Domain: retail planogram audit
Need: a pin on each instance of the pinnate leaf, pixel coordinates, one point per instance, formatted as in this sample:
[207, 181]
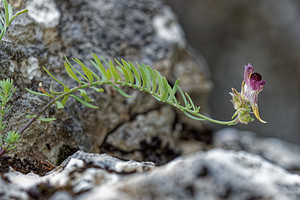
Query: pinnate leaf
[83, 102]
[121, 91]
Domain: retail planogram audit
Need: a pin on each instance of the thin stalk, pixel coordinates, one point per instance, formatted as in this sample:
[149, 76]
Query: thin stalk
[1, 131]
[98, 83]
[1, 120]
[2, 151]
[36, 117]
[182, 108]
[39, 113]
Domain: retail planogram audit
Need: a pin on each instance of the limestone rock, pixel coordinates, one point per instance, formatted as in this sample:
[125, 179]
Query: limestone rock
[147, 136]
[282, 153]
[216, 174]
[146, 31]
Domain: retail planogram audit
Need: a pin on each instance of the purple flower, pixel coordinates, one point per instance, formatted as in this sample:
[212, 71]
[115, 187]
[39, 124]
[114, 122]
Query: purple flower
[251, 87]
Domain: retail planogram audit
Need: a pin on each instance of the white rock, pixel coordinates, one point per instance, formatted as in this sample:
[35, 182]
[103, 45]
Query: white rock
[44, 12]
[275, 150]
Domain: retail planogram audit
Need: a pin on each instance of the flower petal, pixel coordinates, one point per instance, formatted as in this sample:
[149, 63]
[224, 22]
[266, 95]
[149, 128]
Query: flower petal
[256, 82]
[256, 113]
[247, 73]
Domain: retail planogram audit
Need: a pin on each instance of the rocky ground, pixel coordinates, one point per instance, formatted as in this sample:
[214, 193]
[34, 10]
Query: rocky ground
[142, 148]
[239, 165]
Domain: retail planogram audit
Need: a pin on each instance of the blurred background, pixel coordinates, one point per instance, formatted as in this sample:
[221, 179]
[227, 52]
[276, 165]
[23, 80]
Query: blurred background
[265, 33]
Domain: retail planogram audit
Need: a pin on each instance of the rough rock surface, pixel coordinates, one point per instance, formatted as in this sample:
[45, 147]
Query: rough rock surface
[145, 31]
[216, 174]
[282, 153]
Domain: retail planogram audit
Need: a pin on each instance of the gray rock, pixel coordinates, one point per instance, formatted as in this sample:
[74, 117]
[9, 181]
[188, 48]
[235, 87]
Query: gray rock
[61, 195]
[216, 174]
[146, 135]
[145, 31]
[282, 153]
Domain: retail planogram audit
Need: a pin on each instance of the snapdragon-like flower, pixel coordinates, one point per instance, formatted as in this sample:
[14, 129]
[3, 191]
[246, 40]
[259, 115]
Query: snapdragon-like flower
[246, 100]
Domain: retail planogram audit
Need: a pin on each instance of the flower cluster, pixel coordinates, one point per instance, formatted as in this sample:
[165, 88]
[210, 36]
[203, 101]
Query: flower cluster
[246, 101]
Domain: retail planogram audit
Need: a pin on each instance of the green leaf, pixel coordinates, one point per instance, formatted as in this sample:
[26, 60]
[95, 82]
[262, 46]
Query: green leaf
[59, 105]
[121, 65]
[84, 95]
[157, 98]
[193, 117]
[148, 76]
[65, 99]
[144, 77]
[103, 77]
[3, 28]
[1, 22]
[121, 92]
[46, 119]
[175, 87]
[54, 92]
[114, 72]
[8, 108]
[173, 92]
[83, 102]
[104, 60]
[98, 65]
[2, 15]
[10, 12]
[129, 72]
[191, 101]
[96, 76]
[154, 84]
[86, 70]
[136, 74]
[11, 147]
[183, 97]
[97, 89]
[30, 116]
[126, 75]
[172, 97]
[66, 89]
[123, 71]
[76, 70]
[54, 77]
[3, 127]
[71, 73]
[12, 137]
[37, 93]
[6, 12]
[164, 96]
[17, 14]
[165, 85]
[160, 83]
[109, 74]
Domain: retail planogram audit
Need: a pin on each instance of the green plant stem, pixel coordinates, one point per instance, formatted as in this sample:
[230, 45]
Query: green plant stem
[2, 151]
[36, 117]
[15, 15]
[99, 83]
[1, 123]
[210, 119]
